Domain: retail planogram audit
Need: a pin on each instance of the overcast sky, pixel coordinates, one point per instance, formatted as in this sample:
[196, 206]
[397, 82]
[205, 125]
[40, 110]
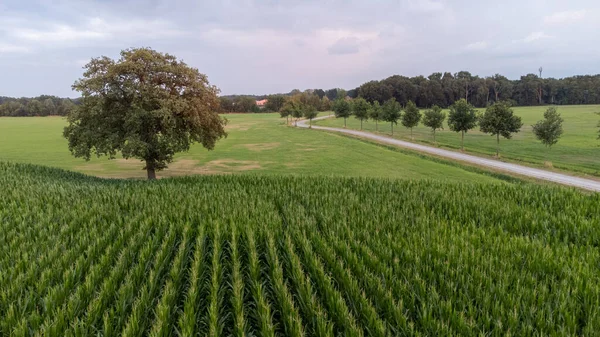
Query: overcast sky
[259, 47]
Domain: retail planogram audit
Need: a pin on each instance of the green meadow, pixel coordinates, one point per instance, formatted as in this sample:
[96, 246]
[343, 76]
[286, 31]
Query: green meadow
[578, 150]
[256, 143]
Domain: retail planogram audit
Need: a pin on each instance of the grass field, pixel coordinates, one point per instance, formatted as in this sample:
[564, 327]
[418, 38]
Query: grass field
[578, 150]
[257, 143]
[293, 256]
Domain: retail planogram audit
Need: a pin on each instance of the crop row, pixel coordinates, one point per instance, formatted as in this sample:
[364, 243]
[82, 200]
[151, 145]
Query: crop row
[285, 256]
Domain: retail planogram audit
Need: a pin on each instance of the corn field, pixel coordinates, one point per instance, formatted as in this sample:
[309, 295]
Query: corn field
[252, 255]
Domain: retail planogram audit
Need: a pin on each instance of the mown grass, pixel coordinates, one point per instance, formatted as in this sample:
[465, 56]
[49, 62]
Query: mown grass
[283, 255]
[257, 143]
[578, 150]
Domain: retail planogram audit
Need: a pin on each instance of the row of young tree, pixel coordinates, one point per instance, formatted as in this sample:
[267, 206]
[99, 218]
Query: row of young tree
[37, 106]
[445, 89]
[498, 119]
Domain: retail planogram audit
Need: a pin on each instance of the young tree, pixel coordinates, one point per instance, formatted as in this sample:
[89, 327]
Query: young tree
[434, 119]
[309, 113]
[294, 108]
[411, 117]
[325, 104]
[286, 112]
[391, 112]
[146, 105]
[375, 114]
[462, 118]
[342, 109]
[361, 110]
[498, 120]
[549, 130]
[598, 113]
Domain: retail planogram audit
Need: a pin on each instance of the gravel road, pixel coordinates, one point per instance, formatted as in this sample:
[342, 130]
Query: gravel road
[559, 178]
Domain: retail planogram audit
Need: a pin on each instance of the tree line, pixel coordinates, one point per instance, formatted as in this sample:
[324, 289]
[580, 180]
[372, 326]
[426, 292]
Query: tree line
[445, 89]
[37, 106]
[317, 98]
[498, 119]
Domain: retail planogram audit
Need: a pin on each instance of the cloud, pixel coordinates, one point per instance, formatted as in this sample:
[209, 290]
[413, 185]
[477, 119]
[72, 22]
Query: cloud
[481, 45]
[535, 36]
[289, 44]
[344, 46]
[6, 48]
[57, 33]
[564, 17]
[425, 5]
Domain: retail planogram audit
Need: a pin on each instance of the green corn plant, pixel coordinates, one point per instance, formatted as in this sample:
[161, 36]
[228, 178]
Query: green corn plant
[188, 320]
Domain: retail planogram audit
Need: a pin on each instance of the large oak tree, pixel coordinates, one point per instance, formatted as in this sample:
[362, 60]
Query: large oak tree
[146, 105]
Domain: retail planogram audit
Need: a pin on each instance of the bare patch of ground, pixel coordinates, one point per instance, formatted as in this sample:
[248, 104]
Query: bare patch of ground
[132, 168]
[261, 146]
[229, 165]
[239, 126]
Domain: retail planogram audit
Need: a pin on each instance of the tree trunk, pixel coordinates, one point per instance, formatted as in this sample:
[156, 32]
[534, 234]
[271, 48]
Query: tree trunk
[310, 123]
[411, 135]
[376, 126]
[434, 137]
[462, 142]
[392, 124]
[344, 122]
[361, 125]
[150, 170]
[498, 145]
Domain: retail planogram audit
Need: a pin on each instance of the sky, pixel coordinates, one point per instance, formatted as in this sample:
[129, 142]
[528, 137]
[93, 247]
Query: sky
[261, 47]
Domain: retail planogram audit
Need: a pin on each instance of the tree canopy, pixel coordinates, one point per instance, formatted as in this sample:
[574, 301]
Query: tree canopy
[342, 109]
[376, 113]
[37, 106]
[462, 118]
[549, 130]
[434, 119]
[391, 112]
[310, 112]
[411, 116]
[274, 103]
[145, 105]
[443, 89]
[499, 120]
[293, 107]
[361, 109]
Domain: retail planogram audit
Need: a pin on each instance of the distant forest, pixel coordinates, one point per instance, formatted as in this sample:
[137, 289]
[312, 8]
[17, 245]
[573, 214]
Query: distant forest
[36, 106]
[443, 89]
[440, 89]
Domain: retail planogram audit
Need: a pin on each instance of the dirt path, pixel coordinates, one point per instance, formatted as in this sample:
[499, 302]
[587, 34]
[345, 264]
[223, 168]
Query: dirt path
[559, 178]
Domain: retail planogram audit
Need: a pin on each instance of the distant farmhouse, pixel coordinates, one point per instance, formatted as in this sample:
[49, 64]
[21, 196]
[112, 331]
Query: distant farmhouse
[261, 103]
